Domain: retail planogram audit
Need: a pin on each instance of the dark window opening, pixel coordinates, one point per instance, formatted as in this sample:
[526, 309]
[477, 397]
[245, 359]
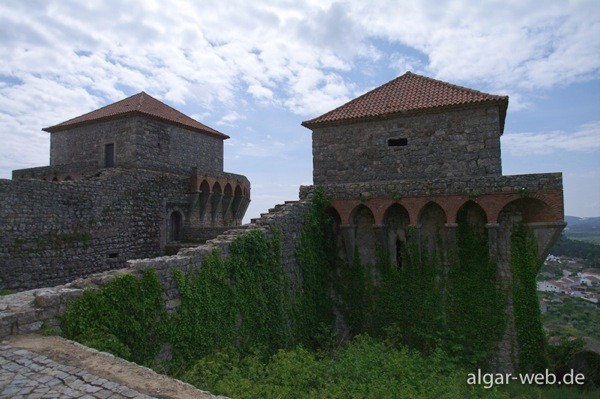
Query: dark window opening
[175, 227]
[109, 155]
[397, 142]
[113, 255]
[398, 253]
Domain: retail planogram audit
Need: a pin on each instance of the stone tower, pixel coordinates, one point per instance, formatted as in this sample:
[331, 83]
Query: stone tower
[410, 156]
[126, 181]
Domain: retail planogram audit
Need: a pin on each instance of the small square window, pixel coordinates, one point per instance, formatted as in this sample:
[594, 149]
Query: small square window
[401, 142]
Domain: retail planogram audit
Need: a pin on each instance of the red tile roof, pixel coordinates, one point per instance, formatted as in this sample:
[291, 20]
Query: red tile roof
[138, 104]
[408, 93]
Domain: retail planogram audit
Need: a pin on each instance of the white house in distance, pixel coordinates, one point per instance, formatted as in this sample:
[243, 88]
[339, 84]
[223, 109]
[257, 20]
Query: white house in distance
[550, 286]
[590, 280]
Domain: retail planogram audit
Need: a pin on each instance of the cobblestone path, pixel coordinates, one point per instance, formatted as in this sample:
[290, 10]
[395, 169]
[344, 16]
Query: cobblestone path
[24, 374]
[34, 366]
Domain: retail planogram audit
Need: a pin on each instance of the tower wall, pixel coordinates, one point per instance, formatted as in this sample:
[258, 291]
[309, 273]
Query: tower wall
[460, 142]
[139, 142]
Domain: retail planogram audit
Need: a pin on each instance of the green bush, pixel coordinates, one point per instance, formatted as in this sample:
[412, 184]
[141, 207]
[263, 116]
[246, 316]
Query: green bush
[365, 368]
[125, 317]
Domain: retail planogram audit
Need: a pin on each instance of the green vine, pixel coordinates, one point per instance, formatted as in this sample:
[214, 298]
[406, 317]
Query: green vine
[125, 318]
[476, 301]
[316, 254]
[241, 301]
[524, 267]
[425, 304]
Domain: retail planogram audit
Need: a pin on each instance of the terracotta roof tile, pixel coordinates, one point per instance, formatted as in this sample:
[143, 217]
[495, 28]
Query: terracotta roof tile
[141, 104]
[407, 93]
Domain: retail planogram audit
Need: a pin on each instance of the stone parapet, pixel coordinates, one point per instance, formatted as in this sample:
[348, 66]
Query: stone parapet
[471, 186]
[72, 171]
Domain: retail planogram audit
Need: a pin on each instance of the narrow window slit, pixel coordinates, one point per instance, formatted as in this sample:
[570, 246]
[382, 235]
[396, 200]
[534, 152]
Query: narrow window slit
[397, 142]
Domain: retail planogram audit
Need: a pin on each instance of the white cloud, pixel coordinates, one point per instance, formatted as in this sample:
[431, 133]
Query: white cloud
[260, 93]
[519, 44]
[230, 118]
[293, 54]
[586, 139]
[263, 149]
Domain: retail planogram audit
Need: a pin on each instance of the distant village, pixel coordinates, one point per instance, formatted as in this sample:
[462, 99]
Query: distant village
[568, 277]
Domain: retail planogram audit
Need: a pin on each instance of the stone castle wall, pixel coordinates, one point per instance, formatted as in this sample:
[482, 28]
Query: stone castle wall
[459, 142]
[54, 232]
[29, 311]
[139, 142]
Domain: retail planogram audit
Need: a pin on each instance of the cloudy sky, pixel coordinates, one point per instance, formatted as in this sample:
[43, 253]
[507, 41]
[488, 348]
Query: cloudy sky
[256, 69]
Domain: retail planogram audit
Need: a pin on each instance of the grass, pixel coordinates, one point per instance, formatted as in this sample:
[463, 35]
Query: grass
[6, 292]
[520, 391]
[595, 239]
[572, 317]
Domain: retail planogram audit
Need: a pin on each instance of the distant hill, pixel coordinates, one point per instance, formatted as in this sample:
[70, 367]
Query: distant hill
[583, 229]
[580, 239]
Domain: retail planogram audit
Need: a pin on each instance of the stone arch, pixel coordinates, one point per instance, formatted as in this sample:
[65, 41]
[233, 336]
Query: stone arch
[526, 210]
[203, 200]
[429, 209]
[236, 205]
[228, 190]
[472, 216]
[216, 204]
[535, 213]
[364, 231]
[204, 187]
[397, 220]
[432, 225]
[338, 238]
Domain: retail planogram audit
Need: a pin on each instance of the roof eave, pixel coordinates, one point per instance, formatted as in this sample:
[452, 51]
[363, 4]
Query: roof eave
[502, 102]
[62, 127]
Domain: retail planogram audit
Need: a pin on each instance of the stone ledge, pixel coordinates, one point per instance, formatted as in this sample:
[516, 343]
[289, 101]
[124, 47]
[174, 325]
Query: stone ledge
[469, 186]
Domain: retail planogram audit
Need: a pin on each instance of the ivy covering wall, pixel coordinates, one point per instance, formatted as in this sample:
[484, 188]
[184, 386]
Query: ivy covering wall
[476, 302]
[246, 303]
[432, 300]
[528, 325]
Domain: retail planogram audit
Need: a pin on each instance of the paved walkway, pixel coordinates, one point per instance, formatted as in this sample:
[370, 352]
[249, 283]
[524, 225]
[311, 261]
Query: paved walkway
[51, 367]
[24, 374]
